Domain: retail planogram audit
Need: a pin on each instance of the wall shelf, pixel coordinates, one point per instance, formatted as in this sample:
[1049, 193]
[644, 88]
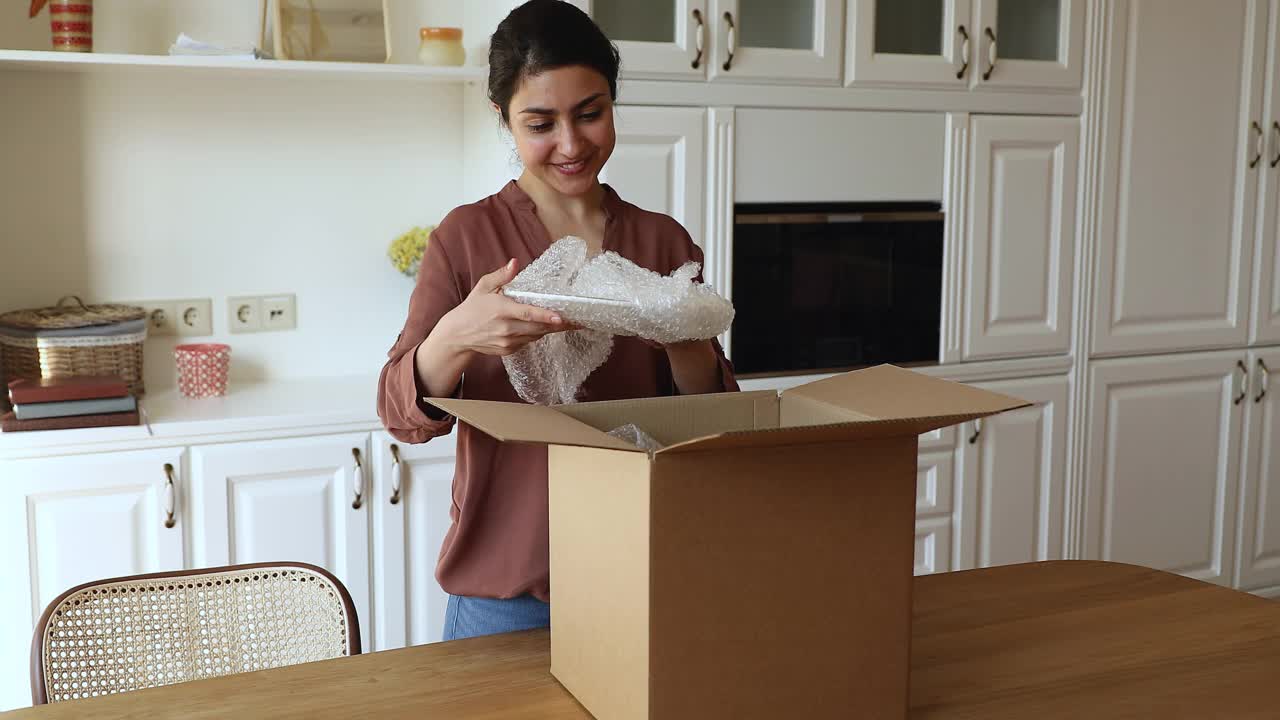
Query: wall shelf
[48, 60]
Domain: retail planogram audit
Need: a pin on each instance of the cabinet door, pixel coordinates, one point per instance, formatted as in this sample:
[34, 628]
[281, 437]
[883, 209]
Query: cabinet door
[293, 499]
[1177, 215]
[923, 43]
[69, 520]
[1258, 556]
[1163, 461]
[408, 529]
[1033, 44]
[662, 39]
[659, 162]
[936, 485]
[1265, 328]
[1015, 474]
[798, 41]
[1021, 236]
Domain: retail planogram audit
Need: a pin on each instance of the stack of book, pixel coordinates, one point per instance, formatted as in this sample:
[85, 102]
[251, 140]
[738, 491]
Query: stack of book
[69, 402]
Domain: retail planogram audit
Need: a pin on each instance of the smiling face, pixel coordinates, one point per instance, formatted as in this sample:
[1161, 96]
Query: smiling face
[562, 122]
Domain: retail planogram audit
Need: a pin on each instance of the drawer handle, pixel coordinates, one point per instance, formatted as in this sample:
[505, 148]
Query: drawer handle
[964, 53]
[701, 38]
[732, 37]
[991, 54]
[1244, 382]
[1257, 143]
[397, 470]
[977, 431]
[1275, 138]
[169, 496]
[359, 481]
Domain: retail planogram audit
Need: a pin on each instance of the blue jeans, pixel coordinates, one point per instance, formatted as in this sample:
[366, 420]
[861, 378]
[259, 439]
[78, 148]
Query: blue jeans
[466, 616]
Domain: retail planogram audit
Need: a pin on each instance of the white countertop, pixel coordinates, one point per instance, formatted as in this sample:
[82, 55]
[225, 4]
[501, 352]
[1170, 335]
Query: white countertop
[249, 407]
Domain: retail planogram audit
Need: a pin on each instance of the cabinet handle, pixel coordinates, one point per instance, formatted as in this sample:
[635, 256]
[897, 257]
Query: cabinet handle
[964, 52]
[1264, 381]
[732, 37]
[1244, 382]
[991, 53]
[396, 470]
[359, 481]
[1257, 143]
[169, 496]
[1275, 138]
[701, 39]
[977, 430]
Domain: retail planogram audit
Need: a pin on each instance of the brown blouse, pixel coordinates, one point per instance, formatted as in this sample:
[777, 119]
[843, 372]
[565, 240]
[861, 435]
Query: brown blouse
[497, 544]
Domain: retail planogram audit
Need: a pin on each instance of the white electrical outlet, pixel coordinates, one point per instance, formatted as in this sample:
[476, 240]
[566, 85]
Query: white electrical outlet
[194, 317]
[244, 314]
[279, 312]
[161, 316]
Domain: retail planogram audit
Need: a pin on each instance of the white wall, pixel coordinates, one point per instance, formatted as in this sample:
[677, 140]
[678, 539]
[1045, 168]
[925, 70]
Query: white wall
[155, 185]
[143, 183]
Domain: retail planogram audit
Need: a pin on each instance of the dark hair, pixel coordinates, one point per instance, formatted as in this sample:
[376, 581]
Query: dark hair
[544, 35]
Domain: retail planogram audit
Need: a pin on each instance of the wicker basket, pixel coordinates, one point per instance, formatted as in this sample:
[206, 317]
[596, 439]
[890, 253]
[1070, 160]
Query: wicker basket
[72, 338]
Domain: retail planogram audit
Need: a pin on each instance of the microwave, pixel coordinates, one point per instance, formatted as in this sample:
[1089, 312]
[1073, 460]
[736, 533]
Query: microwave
[827, 287]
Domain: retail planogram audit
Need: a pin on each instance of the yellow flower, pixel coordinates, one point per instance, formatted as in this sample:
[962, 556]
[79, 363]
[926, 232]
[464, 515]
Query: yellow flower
[407, 250]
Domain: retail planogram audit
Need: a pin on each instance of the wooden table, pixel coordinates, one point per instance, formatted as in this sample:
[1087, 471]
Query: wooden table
[1047, 640]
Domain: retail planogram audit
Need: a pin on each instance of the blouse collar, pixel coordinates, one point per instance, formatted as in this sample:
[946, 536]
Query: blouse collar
[515, 196]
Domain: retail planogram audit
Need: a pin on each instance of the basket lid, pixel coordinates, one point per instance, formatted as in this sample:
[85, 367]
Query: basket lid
[71, 312]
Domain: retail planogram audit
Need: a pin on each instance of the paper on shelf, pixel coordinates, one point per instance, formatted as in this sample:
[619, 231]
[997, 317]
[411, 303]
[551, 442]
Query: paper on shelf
[187, 45]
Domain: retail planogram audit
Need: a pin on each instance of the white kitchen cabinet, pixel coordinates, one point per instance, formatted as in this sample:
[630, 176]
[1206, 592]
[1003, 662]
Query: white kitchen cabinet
[69, 520]
[1182, 154]
[766, 41]
[657, 39]
[1258, 552]
[1021, 236]
[962, 44]
[1163, 461]
[302, 499]
[919, 43]
[936, 485]
[659, 162]
[1265, 326]
[1014, 472]
[411, 499]
[1028, 44]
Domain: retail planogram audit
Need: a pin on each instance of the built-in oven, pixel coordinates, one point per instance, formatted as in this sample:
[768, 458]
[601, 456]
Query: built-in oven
[824, 287]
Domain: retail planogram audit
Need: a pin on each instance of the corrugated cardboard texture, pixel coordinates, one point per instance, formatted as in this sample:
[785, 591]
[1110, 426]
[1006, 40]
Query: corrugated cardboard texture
[883, 401]
[671, 420]
[781, 582]
[519, 422]
[887, 393]
[599, 517]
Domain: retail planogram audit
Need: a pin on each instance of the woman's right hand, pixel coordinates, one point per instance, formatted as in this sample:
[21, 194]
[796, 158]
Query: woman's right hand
[490, 323]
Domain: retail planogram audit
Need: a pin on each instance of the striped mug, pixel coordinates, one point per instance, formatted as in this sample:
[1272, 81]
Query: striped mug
[72, 25]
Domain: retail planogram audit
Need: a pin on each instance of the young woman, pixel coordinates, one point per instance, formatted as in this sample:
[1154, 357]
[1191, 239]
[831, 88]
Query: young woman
[552, 81]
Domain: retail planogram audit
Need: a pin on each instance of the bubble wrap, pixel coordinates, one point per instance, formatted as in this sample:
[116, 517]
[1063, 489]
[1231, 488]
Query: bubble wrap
[606, 295]
[634, 435]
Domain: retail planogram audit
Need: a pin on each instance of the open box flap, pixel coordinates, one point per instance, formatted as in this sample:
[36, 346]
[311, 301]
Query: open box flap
[887, 392]
[817, 434]
[520, 422]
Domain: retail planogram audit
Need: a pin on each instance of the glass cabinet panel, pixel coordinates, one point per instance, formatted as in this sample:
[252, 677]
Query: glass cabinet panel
[909, 27]
[649, 21]
[1028, 29]
[772, 24]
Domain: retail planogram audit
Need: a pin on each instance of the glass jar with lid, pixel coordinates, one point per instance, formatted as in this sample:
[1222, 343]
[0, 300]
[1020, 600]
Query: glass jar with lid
[441, 46]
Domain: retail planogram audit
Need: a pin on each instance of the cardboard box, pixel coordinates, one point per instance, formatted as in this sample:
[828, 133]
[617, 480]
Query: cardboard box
[759, 565]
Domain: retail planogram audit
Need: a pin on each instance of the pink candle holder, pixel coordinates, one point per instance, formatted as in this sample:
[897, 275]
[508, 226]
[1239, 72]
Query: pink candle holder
[202, 369]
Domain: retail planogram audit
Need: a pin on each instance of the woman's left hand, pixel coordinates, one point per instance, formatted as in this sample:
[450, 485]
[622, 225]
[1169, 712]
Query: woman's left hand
[694, 365]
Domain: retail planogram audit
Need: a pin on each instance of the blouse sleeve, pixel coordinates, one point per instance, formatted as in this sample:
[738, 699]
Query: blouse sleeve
[400, 394]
